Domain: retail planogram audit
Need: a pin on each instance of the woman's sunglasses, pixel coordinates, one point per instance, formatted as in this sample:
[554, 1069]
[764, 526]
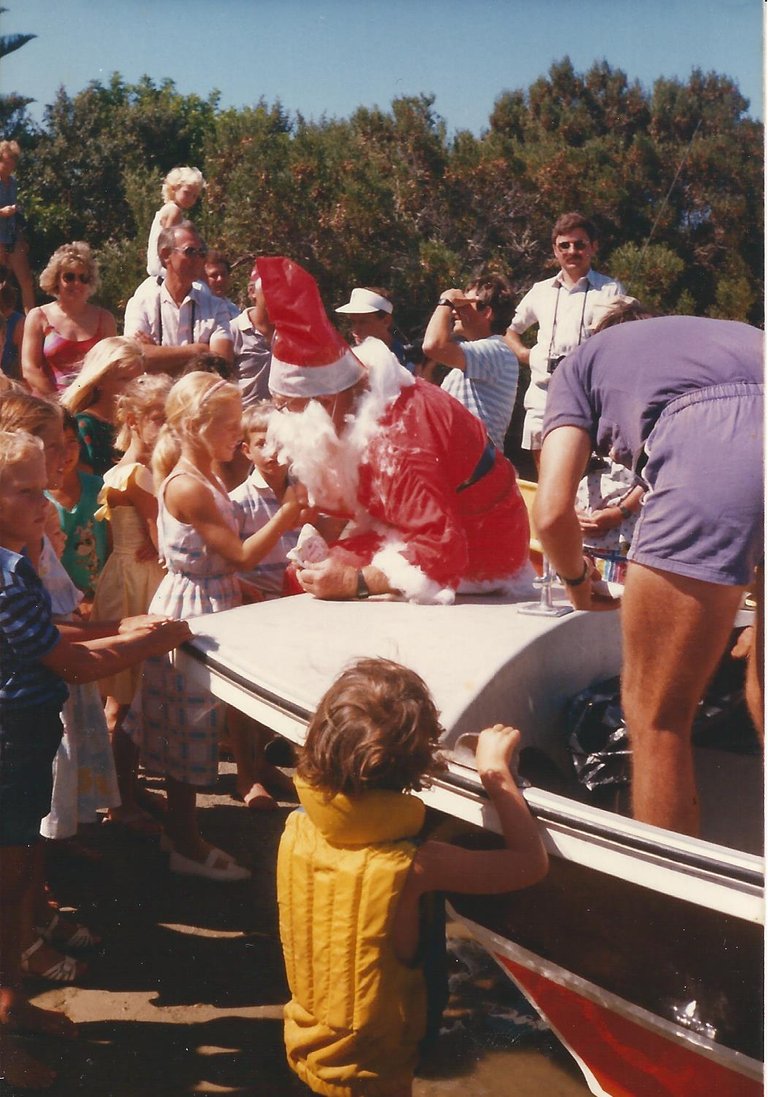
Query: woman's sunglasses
[69, 277]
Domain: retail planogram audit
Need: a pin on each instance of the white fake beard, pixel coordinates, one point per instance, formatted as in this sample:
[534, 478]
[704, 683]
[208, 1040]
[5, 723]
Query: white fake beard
[325, 464]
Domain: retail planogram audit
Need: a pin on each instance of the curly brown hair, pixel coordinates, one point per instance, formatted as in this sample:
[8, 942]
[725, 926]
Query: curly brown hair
[377, 727]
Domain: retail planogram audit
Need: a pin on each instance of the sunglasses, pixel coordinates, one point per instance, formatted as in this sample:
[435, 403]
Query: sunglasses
[69, 277]
[193, 253]
[577, 245]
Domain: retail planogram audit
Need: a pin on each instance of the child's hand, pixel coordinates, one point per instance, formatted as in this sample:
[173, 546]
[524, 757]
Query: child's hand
[496, 748]
[599, 521]
[141, 621]
[166, 635]
[295, 506]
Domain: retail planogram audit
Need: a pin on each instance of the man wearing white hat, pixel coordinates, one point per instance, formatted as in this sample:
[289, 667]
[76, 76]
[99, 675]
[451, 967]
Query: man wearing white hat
[436, 508]
[370, 312]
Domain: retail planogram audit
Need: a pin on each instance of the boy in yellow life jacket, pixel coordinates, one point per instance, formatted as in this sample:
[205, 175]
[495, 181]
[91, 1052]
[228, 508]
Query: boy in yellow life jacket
[350, 877]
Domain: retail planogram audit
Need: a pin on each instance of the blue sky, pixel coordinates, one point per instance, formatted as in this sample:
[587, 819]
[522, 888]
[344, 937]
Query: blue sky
[330, 56]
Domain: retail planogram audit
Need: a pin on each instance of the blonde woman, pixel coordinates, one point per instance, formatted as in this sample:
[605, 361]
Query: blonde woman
[57, 336]
[92, 398]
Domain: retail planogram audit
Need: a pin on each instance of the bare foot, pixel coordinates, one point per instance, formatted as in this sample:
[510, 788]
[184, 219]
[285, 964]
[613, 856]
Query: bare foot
[18, 1015]
[20, 1070]
[257, 798]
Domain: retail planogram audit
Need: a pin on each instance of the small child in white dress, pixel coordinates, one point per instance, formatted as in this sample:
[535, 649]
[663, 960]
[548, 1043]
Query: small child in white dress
[181, 189]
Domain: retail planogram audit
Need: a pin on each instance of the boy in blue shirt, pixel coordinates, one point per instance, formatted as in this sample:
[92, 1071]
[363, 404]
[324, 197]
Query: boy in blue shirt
[35, 661]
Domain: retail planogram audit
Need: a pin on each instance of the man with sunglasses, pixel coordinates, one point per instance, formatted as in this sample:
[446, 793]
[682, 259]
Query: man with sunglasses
[178, 318]
[565, 307]
[465, 332]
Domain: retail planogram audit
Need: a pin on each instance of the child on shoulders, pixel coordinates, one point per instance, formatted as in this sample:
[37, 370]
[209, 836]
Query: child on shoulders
[181, 189]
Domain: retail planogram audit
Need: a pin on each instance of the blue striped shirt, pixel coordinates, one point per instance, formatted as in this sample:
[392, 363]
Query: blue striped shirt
[27, 633]
[487, 385]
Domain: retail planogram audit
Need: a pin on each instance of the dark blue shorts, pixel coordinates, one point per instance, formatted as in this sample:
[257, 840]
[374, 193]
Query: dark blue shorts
[703, 514]
[29, 739]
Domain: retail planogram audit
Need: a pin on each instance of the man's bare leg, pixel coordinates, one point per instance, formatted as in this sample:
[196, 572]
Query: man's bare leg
[675, 632]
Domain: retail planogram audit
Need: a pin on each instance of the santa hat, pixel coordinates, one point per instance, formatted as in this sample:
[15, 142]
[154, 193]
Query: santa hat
[309, 357]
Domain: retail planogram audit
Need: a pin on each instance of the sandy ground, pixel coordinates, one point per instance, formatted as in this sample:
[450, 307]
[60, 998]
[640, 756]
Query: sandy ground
[185, 996]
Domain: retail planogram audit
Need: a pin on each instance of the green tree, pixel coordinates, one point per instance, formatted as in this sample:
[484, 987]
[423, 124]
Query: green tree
[13, 107]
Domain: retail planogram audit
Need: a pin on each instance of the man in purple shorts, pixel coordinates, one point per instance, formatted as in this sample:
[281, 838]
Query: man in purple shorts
[679, 399]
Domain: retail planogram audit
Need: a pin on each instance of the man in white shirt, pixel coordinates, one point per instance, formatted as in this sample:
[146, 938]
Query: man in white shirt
[176, 320]
[566, 307]
[465, 333]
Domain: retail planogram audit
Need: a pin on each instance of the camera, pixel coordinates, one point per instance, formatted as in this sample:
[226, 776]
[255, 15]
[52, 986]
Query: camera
[553, 363]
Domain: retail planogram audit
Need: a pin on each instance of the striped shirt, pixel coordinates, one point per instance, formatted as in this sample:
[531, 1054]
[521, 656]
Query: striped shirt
[255, 503]
[27, 633]
[487, 385]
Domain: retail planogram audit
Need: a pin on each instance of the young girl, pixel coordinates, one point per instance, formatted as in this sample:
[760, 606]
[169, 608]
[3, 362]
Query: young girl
[76, 500]
[133, 572]
[92, 397]
[351, 873]
[181, 189]
[177, 727]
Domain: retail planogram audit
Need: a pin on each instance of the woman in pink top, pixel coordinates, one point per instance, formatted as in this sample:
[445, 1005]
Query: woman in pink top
[58, 336]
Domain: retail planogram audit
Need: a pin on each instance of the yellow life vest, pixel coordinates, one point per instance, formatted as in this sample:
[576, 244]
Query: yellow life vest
[357, 1014]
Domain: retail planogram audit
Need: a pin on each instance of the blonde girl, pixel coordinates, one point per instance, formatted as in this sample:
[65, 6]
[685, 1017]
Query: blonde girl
[176, 725]
[133, 572]
[181, 189]
[92, 397]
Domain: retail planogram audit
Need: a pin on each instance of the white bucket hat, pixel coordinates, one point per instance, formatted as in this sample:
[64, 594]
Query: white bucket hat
[365, 300]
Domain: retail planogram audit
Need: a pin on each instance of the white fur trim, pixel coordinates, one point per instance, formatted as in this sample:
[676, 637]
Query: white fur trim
[518, 587]
[288, 379]
[410, 580]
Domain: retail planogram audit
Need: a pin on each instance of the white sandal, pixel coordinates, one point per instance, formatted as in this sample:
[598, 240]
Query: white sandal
[65, 970]
[82, 938]
[229, 873]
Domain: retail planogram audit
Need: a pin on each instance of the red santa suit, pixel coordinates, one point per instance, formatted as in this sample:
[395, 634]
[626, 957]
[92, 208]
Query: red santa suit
[446, 508]
[435, 507]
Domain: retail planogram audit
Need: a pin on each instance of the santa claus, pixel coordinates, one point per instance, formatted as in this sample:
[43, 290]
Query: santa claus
[429, 506]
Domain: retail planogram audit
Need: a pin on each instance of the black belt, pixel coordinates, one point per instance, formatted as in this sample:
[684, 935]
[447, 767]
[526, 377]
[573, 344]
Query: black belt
[483, 466]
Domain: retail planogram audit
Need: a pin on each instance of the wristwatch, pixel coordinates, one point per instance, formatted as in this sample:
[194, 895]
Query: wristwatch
[363, 590]
[574, 582]
[442, 301]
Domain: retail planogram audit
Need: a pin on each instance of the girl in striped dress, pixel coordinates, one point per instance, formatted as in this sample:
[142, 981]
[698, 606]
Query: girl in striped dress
[175, 724]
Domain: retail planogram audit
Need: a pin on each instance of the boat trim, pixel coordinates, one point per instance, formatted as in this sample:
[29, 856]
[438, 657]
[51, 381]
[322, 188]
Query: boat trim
[700, 1045]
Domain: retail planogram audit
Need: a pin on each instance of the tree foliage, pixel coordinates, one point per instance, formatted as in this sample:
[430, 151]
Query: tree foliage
[13, 107]
[671, 175]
